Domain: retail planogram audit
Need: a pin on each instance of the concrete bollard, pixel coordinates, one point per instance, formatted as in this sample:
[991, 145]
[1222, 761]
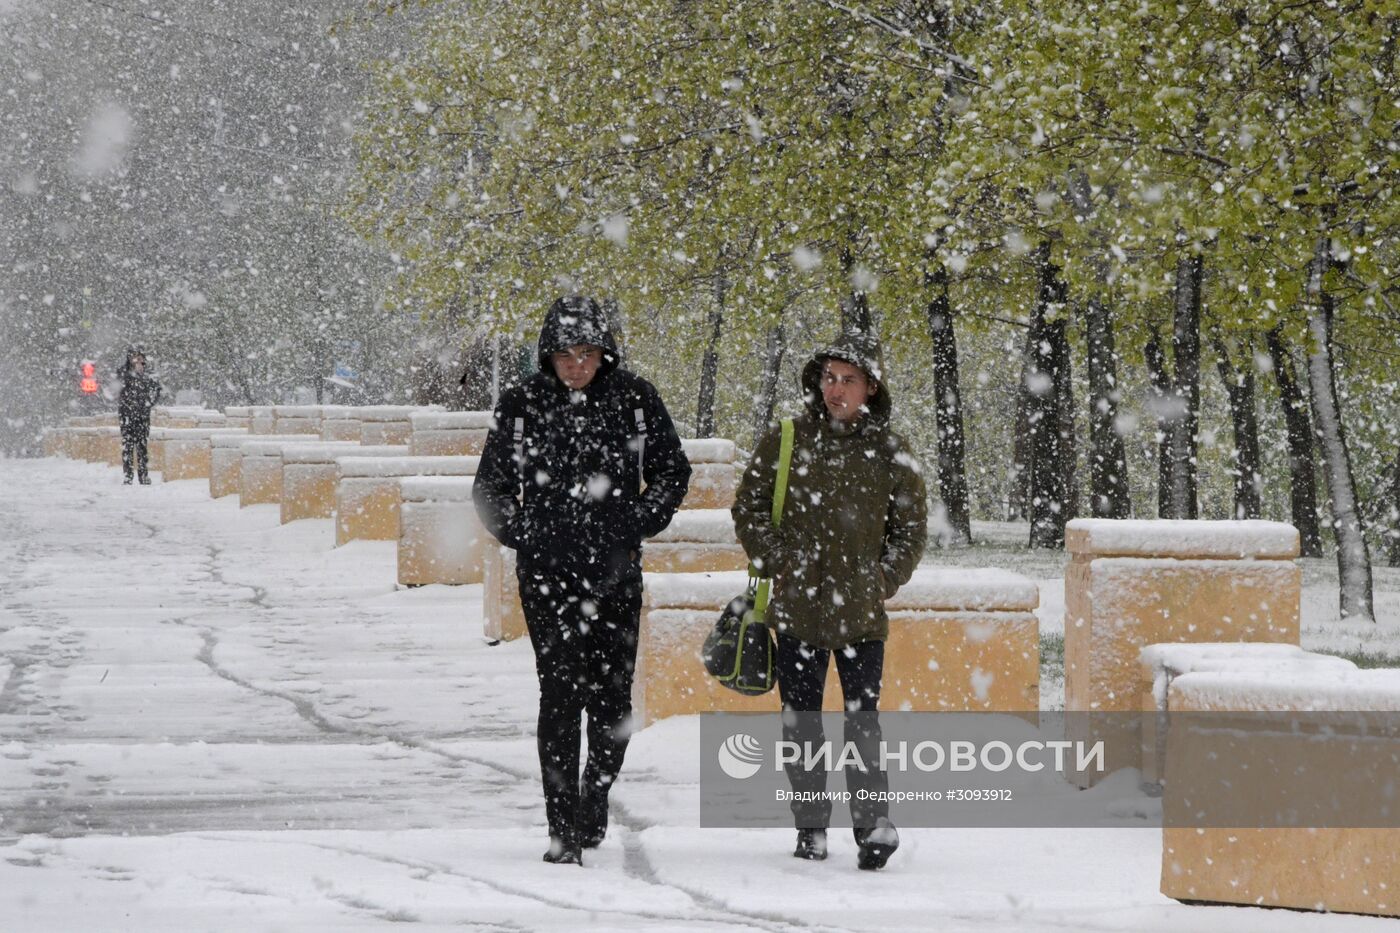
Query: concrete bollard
[1160, 665]
[262, 419]
[696, 541]
[714, 476]
[503, 618]
[109, 446]
[448, 433]
[175, 416]
[186, 451]
[959, 640]
[440, 539]
[367, 492]
[226, 462]
[238, 416]
[1350, 866]
[388, 424]
[310, 473]
[296, 419]
[1134, 583]
[339, 423]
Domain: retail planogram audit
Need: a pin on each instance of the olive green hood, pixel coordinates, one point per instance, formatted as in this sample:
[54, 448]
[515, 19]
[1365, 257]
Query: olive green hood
[859, 349]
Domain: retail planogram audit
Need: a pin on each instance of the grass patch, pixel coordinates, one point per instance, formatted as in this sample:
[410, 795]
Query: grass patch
[1368, 660]
[1052, 655]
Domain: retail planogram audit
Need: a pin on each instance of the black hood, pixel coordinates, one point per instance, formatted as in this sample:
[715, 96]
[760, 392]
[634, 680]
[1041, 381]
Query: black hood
[572, 321]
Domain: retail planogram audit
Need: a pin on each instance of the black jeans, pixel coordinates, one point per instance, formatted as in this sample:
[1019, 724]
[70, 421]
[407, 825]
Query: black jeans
[801, 670]
[585, 654]
[134, 435]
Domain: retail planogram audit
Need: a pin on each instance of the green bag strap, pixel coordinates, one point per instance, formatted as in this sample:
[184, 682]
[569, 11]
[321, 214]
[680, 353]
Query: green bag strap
[780, 484]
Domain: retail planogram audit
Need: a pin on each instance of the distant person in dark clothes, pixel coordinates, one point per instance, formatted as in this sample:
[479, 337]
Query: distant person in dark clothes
[582, 462]
[140, 393]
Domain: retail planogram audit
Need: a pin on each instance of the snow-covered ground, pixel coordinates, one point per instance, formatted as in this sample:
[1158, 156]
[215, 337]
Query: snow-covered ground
[209, 721]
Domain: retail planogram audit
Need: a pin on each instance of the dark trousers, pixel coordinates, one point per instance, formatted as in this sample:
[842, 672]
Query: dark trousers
[585, 653]
[801, 671]
[134, 435]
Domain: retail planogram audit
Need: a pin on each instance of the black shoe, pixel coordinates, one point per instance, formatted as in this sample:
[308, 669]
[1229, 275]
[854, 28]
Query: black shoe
[145, 481]
[811, 845]
[127, 481]
[592, 823]
[876, 845]
[563, 852]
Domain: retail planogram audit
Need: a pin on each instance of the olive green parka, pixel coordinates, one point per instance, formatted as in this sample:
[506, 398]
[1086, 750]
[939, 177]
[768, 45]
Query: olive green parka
[854, 522]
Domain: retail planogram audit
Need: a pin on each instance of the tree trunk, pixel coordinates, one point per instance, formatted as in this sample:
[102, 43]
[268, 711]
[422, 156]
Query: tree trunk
[1108, 460]
[1068, 454]
[1046, 381]
[709, 367]
[1239, 388]
[1161, 402]
[1393, 552]
[952, 471]
[855, 314]
[1353, 557]
[767, 398]
[1301, 470]
[1186, 385]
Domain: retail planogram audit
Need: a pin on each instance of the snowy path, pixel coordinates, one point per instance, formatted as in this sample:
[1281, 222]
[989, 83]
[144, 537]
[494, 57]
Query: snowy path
[211, 721]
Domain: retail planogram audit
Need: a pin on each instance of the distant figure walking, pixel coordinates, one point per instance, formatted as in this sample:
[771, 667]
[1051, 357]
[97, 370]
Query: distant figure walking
[140, 393]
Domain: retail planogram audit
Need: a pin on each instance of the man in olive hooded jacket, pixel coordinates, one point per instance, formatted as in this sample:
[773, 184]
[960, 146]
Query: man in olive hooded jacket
[853, 529]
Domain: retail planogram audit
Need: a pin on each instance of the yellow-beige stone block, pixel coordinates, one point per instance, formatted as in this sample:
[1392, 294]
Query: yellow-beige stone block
[310, 474]
[714, 475]
[440, 538]
[388, 424]
[503, 618]
[1134, 583]
[367, 492]
[187, 453]
[262, 419]
[238, 416]
[339, 423]
[696, 541]
[110, 446]
[260, 467]
[1350, 869]
[296, 419]
[449, 433]
[959, 640]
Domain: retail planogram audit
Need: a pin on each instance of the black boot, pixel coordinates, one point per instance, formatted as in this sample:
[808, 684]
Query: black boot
[592, 823]
[145, 480]
[811, 845]
[127, 480]
[876, 845]
[563, 851]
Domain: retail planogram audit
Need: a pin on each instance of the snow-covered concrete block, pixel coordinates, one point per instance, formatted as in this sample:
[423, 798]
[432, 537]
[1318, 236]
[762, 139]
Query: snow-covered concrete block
[504, 619]
[1162, 664]
[714, 476]
[260, 473]
[448, 433]
[238, 416]
[696, 541]
[226, 460]
[959, 640]
[262, 419]
[187, 451]
[388, 424]
[440, 538]
[1134, 583]
[175, 416]
[297, 419]
[367, 492]
[338, 423]
[1352, 869]
[310, 472]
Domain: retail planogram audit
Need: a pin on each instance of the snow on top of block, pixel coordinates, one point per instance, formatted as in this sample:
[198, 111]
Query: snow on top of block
[450, 420]
[297, 411]
[436, 488]
[1320, 690]
[1182, 538]
[933, 589]
[707, 526]
[238, 437]
[708, 449]
[238, 411]
[378, 413]
[328, 452]
[406, 466]
[194, 434]
[969, 588]
[695, 590]
[1187, 658]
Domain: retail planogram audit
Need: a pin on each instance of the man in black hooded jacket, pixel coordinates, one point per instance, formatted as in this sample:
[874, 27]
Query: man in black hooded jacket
[140, 393]
[582, 462]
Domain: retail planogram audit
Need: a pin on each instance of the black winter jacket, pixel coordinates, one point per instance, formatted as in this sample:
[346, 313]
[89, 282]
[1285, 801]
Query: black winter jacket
[575, 506]
[140, 393]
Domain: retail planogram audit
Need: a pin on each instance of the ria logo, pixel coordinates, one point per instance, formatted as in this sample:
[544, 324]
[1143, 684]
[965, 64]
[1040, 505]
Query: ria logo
[740, 756]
